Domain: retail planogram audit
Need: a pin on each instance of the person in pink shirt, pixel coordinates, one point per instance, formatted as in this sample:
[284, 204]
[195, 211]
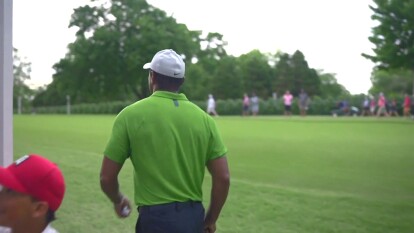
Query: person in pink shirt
[381, 105]
[246, 104]
[287, 100]
[407, 105]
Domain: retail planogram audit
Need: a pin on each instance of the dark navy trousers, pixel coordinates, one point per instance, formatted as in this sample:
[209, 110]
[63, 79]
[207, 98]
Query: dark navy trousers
[176, 217]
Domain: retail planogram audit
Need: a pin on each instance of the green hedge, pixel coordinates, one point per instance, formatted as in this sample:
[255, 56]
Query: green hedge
[99, 108]
[318, 106]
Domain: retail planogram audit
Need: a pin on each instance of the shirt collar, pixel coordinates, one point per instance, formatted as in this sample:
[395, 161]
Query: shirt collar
[170, 95]
[49, 229]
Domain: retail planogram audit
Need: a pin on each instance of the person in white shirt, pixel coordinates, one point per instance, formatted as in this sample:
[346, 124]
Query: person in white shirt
[211, 105]
[255, 104]
[31, 191]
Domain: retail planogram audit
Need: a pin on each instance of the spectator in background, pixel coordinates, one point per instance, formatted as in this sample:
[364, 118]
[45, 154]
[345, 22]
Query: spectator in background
[211, 105]
[372, 106]
[407, 105]
[287, 100]
[246, 104]
[354, 111]
[274, 97]
[412, 107]
[255, 104]
[393, 107]
[303, 102]
[381, 105]
[31, 191]
[345, 108]
[339, 109]
[365, 107]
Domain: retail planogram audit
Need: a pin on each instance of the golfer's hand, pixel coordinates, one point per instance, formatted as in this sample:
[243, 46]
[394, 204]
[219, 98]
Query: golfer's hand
[123, 208]
[210, 228]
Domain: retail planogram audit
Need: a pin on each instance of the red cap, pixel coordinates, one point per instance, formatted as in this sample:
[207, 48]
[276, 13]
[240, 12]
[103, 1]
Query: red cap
[37, 177]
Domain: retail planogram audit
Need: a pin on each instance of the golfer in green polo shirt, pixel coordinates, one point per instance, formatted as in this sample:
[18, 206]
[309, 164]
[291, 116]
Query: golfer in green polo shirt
[170, 141]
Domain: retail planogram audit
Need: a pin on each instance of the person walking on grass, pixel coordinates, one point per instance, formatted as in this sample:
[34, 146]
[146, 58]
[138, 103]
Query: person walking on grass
[287, 100]
[303, 102]
[31, 191]
[169, 141]
[254, 104]
[382, 105]
[393, 108]
[372, 106]
[412, 107]
[211, 105]
[246, 104]
[406, 105]
[365, 107]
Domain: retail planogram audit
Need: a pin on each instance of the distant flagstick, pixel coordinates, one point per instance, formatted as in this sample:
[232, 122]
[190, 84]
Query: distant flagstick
[6, 83]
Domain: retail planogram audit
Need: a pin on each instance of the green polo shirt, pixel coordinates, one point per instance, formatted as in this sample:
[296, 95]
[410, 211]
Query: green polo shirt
[169, 141]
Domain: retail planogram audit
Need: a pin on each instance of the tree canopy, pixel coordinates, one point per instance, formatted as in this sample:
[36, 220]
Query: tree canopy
[395, 82]
[393, 37]
[115, 39]
[105, 62]
[294, 74]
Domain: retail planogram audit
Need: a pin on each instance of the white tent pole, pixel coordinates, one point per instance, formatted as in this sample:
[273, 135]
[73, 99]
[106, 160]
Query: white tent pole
[6, 82]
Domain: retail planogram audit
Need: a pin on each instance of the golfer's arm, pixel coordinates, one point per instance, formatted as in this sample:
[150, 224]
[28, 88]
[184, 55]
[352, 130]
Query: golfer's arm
[109, 179]
[220, 175]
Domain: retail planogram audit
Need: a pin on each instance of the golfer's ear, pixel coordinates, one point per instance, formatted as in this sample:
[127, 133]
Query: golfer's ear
[152, 77]
[39, 209]
[152, 74]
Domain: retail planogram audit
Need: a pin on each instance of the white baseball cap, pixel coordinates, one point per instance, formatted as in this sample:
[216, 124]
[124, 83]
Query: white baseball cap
[167, 62]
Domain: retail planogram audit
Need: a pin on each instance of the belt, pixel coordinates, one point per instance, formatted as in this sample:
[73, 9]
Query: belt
[168, 206]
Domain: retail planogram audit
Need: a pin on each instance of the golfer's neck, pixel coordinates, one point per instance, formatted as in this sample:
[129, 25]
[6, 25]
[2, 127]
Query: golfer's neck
[165, 89]
[29, 228]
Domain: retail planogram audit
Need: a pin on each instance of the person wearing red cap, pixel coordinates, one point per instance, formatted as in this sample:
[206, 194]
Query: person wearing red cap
[31, 191]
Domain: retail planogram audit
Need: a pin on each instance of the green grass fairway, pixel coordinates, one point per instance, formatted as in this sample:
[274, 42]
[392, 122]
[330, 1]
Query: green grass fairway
[288, 175]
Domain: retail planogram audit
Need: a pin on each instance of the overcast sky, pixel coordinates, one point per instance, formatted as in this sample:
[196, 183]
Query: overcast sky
[332, 34]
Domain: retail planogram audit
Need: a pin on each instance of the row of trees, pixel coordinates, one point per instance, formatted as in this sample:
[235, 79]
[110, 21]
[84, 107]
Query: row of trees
[114, 41]
[105, 62]
[22, 93]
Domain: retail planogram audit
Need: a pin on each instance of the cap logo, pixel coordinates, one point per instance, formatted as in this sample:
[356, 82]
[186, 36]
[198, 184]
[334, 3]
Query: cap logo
[21, 160]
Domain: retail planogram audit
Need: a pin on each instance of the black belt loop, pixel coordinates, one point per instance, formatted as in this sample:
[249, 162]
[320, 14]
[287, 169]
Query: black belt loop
[178, 206]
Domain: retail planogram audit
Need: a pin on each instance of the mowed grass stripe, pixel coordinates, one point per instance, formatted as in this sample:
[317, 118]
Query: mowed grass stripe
[340, 156]
[313, 174]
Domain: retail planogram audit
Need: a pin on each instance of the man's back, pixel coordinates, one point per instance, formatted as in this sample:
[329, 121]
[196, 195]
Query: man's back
[170, 141]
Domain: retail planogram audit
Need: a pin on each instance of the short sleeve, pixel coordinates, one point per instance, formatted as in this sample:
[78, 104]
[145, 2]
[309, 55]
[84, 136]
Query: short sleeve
[216, 145]
[118, 147]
